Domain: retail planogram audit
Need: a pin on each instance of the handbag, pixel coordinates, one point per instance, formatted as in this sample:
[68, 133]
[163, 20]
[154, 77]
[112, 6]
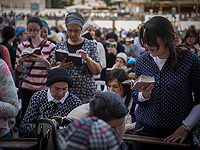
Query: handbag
[62, 121]
[128, 117]
[47, 131]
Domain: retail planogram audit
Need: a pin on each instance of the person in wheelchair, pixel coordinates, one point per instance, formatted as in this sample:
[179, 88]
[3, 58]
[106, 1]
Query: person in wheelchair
[56, 100]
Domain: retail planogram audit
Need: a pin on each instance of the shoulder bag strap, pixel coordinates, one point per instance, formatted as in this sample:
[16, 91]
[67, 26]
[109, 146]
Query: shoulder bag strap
[34, 61]
[130, 104]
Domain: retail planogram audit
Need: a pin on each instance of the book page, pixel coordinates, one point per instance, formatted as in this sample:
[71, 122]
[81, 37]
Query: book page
[142, 80]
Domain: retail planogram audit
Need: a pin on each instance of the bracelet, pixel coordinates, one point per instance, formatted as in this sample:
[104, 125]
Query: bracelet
[184, 127]
[88, 60]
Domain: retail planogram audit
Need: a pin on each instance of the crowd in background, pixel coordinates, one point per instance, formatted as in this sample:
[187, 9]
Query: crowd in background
[107, 55]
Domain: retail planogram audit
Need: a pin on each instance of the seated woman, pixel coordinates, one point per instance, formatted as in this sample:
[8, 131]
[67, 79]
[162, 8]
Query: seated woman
[8, 100]
[53, 101]
[114, 81]
[107, 106]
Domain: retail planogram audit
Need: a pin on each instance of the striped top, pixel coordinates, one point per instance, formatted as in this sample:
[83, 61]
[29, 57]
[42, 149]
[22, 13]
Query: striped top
[36, 80]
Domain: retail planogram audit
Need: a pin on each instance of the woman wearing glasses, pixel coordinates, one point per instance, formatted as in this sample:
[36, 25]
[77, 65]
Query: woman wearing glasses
[34, 66]
[82, 76]
[191, 39]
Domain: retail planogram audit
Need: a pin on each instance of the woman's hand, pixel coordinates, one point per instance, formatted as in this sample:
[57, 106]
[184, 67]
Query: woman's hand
[197, 46]
[146, 91]
[65, 64]
[22, 58]
[179, 135]
[112, 50]
[129, 127]
[37, 58]
[83, 54]
[40, 58]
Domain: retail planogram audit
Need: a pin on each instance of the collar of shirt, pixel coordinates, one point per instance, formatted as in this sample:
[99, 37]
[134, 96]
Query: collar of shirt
[50, 97]
[160, 62]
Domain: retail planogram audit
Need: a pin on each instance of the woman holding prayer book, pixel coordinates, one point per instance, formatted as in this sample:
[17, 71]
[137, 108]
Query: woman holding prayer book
[170, 107]
[82, 76]
[32, 67]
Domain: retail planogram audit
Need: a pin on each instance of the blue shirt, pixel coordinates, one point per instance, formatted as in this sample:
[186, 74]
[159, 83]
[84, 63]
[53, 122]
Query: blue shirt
[172, 97]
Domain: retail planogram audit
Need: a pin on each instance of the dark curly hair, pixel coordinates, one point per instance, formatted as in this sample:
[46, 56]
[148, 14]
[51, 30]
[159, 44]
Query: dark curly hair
[8, 33]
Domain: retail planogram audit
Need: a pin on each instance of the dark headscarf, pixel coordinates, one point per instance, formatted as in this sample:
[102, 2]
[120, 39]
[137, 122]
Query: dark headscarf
[112, 35]
[74, 18]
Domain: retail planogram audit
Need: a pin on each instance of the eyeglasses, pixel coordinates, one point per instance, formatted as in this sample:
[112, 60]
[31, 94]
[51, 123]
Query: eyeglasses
[75, 31]
[33, 31]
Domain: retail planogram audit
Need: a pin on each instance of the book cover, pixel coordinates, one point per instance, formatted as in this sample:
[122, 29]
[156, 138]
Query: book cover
[34, 51]
[76, 59]
[73, 57]
[142, 80]
[61, 54]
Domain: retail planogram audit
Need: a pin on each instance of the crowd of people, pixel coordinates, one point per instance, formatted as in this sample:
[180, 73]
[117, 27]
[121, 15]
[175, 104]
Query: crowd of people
[30, 72]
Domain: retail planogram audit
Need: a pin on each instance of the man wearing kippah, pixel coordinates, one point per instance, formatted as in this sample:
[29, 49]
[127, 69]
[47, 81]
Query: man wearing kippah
[53, 101]
[82, 76]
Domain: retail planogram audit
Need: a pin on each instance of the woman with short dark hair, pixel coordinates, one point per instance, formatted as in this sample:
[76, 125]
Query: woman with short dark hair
[191, 39]
[34, 67]
[8, 35]
[114, 80]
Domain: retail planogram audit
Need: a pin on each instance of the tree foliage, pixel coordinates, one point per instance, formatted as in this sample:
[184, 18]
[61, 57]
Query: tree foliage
[108, 2]
[61, 3]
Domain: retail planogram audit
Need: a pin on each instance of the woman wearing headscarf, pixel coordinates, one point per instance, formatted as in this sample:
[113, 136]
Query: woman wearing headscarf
[84, 83]
[46, 31]
[21, 36]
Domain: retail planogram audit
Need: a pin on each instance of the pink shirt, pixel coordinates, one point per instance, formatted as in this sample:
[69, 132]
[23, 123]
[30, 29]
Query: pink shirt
[36, 80]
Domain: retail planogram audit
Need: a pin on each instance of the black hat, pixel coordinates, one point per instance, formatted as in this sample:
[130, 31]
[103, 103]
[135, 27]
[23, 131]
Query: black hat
[112, 35]
[74, 18]
[59, 75]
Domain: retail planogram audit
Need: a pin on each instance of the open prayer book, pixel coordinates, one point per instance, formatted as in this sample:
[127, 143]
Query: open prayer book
[34, 51]
[73, 57]
[142, 80]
